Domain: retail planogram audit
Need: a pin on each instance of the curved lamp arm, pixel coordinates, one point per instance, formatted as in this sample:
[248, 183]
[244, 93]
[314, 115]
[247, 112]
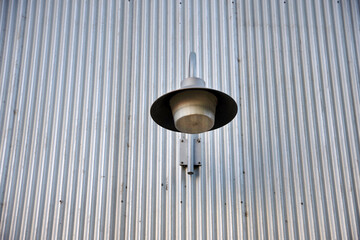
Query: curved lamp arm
[192, 65]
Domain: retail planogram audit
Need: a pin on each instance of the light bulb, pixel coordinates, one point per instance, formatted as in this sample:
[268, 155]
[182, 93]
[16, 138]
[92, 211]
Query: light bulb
[193, 111]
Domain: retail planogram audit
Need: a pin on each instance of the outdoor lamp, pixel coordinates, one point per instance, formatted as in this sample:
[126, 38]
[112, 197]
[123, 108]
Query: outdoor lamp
[193, 108]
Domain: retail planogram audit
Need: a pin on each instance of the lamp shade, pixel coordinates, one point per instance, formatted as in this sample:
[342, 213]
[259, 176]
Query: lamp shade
[174, 110]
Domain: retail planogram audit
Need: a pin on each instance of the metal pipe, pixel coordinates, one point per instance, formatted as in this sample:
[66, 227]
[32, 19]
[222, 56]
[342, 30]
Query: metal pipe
[192, 65]
[191, 160]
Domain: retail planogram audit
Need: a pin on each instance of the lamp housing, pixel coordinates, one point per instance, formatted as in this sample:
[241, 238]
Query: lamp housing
[193, 108]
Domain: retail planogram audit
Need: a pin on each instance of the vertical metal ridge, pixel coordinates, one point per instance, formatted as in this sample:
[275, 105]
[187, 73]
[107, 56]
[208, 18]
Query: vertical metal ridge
[277, 199]
[298, 124]
[35, 142]
[14, 131]
[326, 222]
[124, 143]
[4, 9]
[308, 109]
[72, 220]
[142, 136]
[133, 117]
[9, 87]
[332, 120]
[7, 38]
[270, 210]
[151, 145]
[304, 126]
[111, 174]
[117, 200]
[347, 119]
[352, 51]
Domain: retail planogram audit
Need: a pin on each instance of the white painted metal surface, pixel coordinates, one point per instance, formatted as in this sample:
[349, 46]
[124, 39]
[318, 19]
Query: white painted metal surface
[80, 156]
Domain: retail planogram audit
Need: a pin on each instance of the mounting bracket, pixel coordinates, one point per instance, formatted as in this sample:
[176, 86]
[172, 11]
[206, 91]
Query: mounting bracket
[190, 152]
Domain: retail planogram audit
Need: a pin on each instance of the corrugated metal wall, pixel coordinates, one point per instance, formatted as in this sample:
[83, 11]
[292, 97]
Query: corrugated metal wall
[80, 156]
